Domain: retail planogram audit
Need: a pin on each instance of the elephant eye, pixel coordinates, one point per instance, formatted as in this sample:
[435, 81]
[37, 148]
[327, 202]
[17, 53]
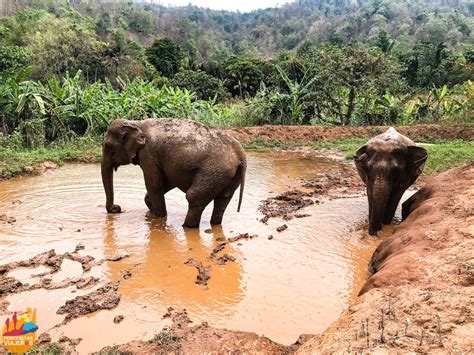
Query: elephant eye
[122, 135]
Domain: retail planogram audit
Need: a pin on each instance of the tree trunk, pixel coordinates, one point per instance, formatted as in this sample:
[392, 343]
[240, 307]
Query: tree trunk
[350, 107]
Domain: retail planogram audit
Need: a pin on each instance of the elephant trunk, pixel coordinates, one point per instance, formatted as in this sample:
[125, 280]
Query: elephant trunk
[380, 194]
[107, 168]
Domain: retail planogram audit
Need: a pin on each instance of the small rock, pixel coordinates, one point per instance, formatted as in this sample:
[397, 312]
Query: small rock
[270, 237]
[282, 228]
[168, 313]
[126, 274]
[17, 202]
[118, 319]
[79, 246]
[11, 220]
[43, 339]
[73, 342]
[224, 259]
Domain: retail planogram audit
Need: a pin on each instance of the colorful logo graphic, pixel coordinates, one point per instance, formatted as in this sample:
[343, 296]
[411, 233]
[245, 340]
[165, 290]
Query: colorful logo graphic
[18, 333]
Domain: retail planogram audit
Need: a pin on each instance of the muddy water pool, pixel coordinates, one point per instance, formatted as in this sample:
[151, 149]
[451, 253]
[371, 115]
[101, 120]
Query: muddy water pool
[298, 282]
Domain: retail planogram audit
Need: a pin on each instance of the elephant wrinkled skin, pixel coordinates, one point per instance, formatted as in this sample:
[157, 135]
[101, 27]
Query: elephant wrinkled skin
[388, 164]
[205, 163]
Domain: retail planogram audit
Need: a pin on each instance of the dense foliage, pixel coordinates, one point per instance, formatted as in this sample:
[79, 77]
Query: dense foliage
[68, 67]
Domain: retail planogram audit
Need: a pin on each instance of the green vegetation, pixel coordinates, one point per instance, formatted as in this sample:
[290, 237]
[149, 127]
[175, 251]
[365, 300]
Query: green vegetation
[16, 161]
[49, 349]
[67, 68]
[165, 337]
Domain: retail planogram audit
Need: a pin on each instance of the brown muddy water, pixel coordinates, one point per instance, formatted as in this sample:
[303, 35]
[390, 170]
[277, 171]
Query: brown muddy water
[298, 282]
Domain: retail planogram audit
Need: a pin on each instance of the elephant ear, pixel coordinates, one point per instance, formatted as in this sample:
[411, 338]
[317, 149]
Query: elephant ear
[361, 160]
[133, 131]
[133, 138]
[415, 162]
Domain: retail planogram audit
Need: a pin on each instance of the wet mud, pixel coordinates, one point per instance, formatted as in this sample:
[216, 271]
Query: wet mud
[105, 297]
[335, 184]
[132, 265]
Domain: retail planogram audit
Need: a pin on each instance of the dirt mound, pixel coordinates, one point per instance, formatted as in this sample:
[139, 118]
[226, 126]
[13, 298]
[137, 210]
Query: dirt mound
[420, 297]
[183, 338]
[333, 133]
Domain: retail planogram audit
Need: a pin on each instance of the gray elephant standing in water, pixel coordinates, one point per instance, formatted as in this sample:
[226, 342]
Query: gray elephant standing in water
[388, 164]
[205, 163]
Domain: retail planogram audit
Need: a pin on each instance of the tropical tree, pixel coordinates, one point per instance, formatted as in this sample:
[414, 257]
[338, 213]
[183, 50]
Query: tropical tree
[165, 55]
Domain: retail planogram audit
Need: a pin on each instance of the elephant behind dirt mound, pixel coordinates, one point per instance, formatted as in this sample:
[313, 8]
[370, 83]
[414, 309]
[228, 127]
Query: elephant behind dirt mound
[205, 163]
[388, 164]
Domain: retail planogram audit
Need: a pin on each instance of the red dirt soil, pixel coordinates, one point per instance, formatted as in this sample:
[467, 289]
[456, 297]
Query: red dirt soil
[334, 133]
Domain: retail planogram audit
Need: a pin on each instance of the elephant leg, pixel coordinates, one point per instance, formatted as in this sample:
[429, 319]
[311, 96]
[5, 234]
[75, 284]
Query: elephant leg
[220, 204]
[222, 200]
[154, 183]
[199, 195]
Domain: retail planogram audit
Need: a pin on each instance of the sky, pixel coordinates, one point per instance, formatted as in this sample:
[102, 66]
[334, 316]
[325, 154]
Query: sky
[231, 5]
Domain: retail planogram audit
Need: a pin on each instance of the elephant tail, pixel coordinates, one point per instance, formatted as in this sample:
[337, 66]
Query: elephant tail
[243, 169]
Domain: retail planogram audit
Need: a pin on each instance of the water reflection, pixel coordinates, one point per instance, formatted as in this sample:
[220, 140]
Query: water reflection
[298, 282]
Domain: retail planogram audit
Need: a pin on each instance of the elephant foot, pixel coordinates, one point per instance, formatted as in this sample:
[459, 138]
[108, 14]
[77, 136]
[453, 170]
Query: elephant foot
[158, 213]
[190, 225]
[216, 221]
[114, 209]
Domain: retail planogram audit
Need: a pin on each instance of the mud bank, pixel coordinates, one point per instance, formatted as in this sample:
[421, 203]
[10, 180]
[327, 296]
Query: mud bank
[419, 298]
[334, 133]
[182, 337]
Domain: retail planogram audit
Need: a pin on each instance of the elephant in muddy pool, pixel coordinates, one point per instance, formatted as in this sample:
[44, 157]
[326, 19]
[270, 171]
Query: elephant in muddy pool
[388, 164]
[207, 164]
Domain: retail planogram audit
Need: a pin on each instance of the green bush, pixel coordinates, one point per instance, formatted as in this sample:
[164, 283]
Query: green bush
[205, 86]
[165, 55]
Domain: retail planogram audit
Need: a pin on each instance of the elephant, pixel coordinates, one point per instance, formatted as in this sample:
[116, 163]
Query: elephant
[205, 163]
[388, 164]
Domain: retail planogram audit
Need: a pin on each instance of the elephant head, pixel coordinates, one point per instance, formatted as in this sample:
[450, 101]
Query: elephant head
[387, 167]
[121, 146]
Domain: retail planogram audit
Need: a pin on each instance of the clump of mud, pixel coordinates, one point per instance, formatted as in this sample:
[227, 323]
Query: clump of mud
[341, 183]
[241, 236]
[5, 219]
[204, 272]
[106, 297]
[53, 261]
[224, 259]
[285, 204]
